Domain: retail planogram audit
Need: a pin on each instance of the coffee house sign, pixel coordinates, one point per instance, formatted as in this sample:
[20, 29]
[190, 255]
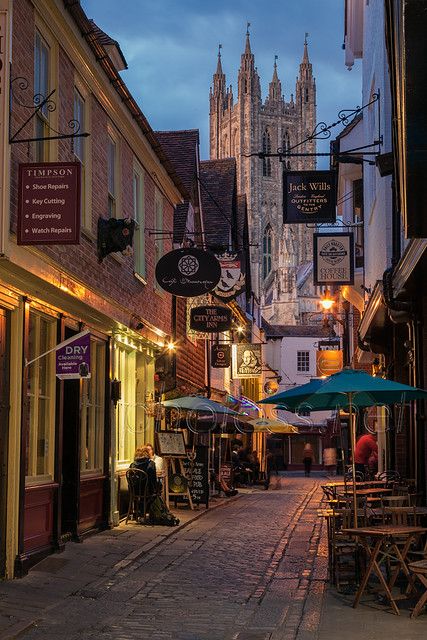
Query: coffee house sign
[309, 196]
[49, 203]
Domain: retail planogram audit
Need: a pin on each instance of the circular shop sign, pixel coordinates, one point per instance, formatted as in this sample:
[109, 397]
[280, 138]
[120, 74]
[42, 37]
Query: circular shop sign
[188, 272]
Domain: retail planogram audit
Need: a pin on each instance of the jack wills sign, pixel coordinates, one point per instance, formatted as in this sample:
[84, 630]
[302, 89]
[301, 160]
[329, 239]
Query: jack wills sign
[49, 203]
[309, 196]
[188, 272]
[333, 255]
[210, 319]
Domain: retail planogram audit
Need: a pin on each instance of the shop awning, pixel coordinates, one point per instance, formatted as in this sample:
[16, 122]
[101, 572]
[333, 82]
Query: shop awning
[266, 425]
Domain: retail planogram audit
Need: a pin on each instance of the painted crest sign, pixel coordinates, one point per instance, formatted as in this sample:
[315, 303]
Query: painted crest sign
[333, 255]
[232, 279]
[188, 272]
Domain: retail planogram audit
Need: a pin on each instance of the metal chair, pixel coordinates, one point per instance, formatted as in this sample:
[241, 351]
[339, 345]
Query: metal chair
[390, 477]
[343, 548]
[137, 481]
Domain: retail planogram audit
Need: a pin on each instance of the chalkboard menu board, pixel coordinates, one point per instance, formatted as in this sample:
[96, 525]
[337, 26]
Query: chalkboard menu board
[199, 481]
[170, 443]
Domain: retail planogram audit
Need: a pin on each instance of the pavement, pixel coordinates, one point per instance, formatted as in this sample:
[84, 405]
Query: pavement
[253, 567]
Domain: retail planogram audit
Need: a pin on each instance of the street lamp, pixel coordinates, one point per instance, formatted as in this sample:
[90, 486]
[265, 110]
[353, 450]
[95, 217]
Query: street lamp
[327, 301]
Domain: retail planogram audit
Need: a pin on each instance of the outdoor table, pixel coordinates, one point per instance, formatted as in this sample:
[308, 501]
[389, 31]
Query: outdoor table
[420, 570]
[383, 541]
[348, 486]
[373, 491]
[377, 512]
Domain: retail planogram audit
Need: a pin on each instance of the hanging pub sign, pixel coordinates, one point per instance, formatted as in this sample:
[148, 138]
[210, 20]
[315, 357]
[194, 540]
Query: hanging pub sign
[247, 360]
[309, 196]
[49, 203]
[210, 319]
[333, 255]
[328, 362]
[188, 272]
[73, 357]
[220, 356]
[232, 279]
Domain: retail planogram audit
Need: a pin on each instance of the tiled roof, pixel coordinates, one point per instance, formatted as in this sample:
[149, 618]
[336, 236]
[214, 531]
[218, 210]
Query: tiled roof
[181, 149]
[107, 41]
[219, 200]
[294, 331]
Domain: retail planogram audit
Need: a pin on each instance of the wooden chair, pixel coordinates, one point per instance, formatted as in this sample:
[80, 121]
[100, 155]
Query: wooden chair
[420, 570]
[137, 481]
[344, 548]
[395, 501]
[399, 516]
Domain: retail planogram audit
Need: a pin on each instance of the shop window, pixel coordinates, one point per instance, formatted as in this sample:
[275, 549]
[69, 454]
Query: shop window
[131, 419]
[93, 411]
[41, 399]
[41, 90]
[139, 217]
[303, 361]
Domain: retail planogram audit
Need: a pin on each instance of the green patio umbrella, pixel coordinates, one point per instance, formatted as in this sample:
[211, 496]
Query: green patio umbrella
[292, 398]
[199, 404]
[354, 388]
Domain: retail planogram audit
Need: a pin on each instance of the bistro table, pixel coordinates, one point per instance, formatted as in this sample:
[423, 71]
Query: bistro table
[384, 542]
[335, 487]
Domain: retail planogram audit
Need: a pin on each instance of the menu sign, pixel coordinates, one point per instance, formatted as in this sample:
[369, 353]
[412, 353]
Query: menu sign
[49, 203]
[309, 196]
[333, 255]
[210, 319]
[196, 470]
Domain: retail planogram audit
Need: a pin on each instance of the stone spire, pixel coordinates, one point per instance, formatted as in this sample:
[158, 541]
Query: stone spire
[275, 86]
[219, 76]
[248, 79]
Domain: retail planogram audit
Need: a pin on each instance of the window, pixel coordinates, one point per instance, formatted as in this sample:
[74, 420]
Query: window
[41, 90]
[41, 397]
[112, 177]
[80, 152]
[158, 243]
[266, 148]
[139, 217]
[286, 146]
[93, 411]
[266, 252]
[131, 419]
[303, 361]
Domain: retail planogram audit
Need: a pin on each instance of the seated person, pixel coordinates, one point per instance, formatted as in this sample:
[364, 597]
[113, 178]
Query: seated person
[158, 461]
[241, 470]
[143, 462]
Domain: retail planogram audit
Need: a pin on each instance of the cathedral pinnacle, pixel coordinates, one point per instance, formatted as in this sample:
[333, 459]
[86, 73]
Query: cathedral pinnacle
[248, 42]
[305, 59]
[219, 65]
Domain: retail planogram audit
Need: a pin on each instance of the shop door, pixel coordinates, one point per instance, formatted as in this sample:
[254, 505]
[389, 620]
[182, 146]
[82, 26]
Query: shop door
[70, 489]
[4, 430]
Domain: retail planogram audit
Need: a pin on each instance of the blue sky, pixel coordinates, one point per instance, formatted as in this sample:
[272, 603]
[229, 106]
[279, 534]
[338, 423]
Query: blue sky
[171, 48]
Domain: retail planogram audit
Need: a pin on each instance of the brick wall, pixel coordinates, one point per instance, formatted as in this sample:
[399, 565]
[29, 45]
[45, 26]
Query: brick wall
[114, 278]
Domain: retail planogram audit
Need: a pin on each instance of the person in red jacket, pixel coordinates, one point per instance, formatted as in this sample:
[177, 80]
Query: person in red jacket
[366, 452]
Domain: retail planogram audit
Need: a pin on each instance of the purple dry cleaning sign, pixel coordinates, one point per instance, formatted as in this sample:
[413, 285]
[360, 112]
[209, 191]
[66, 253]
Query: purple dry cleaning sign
[73, 358]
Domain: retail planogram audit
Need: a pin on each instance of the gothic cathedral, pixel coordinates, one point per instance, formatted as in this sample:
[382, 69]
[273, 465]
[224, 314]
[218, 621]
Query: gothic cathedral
[281, 255]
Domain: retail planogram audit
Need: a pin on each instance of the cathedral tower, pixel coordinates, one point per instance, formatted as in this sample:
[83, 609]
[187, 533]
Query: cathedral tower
[281, 255]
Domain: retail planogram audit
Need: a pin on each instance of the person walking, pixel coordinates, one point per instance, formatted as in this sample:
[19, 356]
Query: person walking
[307, 458]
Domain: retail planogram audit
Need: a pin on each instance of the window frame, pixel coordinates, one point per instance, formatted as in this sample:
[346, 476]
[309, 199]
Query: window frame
[86, 161]
[138, 177]
[303, 361]
[113, 197]
[158, 230]
[93, 411]
[45, 151]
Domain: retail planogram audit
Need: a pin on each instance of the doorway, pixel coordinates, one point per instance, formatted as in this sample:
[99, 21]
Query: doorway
[4, 429]
[70, 454]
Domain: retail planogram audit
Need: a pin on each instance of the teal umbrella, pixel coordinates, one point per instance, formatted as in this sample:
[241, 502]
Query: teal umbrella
[352, 387]
[293, 398]
[199, 404]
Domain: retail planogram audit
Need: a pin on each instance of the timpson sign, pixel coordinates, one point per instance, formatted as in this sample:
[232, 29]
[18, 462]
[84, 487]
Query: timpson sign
[49, 203]
[309, 196]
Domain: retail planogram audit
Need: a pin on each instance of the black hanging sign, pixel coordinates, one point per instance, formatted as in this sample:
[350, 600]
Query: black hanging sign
[309, 196]
[210, 319]
[188, 272]
[220, 356]
[333, 256]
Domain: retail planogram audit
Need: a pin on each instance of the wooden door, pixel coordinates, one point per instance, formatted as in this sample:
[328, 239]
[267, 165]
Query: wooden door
[4, 428]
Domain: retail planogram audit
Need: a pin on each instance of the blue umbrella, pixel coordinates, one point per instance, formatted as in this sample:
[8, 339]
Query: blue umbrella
[199, 404]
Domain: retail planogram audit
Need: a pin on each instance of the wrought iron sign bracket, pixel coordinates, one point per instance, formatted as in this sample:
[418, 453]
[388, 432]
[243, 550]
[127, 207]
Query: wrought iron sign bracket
[338, 224]
[322, 131]
[39, 103]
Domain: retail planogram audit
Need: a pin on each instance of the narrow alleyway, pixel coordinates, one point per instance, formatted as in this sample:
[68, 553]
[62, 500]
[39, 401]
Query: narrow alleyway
[249, 570]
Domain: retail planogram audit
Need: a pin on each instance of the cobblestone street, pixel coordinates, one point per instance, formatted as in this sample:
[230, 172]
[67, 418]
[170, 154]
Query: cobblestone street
[251, 569]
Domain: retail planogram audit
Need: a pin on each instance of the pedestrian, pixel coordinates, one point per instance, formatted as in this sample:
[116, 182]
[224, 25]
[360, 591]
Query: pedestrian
[366, 453]
[307, 458]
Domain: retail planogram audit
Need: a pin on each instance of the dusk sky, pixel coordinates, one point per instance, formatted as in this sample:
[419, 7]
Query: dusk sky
[171, 48]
